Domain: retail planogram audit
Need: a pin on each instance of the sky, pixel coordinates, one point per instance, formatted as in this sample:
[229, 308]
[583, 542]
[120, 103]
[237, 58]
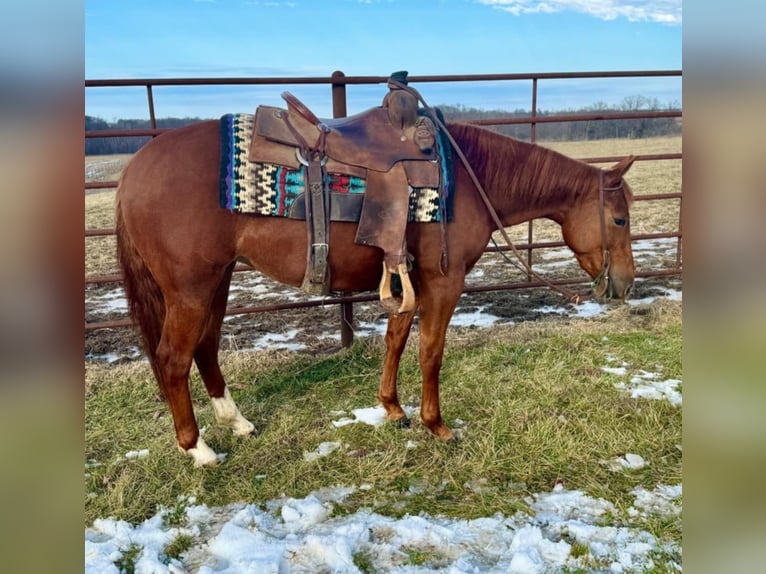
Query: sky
[276, 38]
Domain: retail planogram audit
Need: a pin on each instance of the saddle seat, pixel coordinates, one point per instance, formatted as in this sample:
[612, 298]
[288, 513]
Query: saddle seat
[367, 140]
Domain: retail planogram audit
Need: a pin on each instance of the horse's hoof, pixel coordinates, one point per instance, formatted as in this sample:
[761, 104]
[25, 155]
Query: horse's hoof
[243, 427]
[403, 423]
[202, 454]
[444, 433]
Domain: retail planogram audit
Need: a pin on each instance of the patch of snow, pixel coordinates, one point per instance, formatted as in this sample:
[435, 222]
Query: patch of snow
[322, 450]
[366, 328]
[111, 301]
[301, 535]
[477, 318]
[278, 341]
[661, 500]
[615, 370]
[667, 389]
[143, 453]
[374, 416]
[589, 308]
[645, 385]
[548, 309]
[629, 461]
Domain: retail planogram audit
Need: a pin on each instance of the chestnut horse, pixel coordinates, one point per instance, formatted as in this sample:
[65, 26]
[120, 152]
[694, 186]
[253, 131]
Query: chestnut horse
[177, 249]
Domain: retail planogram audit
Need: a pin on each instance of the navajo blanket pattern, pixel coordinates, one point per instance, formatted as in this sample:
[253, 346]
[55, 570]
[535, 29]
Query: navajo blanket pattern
[267, 189]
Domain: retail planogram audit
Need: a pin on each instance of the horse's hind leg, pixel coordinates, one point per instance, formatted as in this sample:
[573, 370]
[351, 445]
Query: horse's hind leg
[206, 357]
[181, 331]
[397, 333]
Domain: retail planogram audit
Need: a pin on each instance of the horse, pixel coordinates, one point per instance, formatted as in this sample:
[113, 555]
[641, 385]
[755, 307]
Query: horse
[177, 249]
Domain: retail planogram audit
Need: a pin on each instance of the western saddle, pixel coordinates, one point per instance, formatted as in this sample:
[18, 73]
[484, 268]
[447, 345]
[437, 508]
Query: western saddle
[392, 147]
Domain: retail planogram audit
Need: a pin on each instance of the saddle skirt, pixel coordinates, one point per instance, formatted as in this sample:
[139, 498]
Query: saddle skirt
[274, 184]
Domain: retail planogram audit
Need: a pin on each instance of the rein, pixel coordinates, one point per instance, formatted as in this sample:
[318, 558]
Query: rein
[572, 296]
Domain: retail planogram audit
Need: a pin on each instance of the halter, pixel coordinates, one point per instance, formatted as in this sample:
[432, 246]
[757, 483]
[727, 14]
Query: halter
[572, 296]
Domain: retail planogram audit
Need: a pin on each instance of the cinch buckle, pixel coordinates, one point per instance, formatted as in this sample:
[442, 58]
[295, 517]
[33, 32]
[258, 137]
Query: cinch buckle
[305, 162]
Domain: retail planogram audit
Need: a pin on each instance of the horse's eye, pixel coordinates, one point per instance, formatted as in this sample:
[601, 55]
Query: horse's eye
[619, 221]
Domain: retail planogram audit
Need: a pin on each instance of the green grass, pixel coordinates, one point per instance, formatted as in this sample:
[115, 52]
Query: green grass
[127, 562]
[538, 409]
[178, 546]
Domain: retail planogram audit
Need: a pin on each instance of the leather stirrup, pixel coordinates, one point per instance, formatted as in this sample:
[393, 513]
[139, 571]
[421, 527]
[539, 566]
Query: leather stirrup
[397, 305]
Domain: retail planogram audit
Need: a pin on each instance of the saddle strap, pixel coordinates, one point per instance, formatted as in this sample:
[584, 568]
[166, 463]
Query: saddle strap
[317, 277]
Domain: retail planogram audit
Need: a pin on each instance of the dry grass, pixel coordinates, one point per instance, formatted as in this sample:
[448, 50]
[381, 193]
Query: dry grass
[106, 167]
[99, 212]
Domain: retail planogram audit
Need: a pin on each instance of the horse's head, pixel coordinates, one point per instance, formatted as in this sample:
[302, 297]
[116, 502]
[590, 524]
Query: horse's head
[597, 229]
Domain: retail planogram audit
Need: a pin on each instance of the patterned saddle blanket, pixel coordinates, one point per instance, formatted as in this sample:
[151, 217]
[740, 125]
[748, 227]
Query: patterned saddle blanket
[247, 186]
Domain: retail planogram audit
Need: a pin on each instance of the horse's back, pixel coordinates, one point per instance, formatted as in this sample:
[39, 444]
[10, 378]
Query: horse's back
[172, 160]
[168, 197]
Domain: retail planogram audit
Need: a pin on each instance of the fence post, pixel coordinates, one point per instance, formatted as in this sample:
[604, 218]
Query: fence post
[150, 99]
[339, 111]
[533, 139]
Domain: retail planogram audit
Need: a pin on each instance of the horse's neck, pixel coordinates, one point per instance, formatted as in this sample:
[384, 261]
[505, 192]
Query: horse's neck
[547, 184]
[526, 181]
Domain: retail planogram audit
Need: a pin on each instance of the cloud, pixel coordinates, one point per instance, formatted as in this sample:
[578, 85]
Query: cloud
[661, 11]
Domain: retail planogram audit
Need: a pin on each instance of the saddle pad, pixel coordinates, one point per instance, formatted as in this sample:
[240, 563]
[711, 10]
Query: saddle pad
[268, 189]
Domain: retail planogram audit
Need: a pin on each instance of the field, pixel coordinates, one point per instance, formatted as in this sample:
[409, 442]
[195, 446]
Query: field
[546, 403]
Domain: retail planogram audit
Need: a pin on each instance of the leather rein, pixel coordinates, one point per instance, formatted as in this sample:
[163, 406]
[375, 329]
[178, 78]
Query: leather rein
[601, 279]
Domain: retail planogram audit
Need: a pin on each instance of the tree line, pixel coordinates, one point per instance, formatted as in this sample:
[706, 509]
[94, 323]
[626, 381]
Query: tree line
[581, 130]
[559, 131]
[125, 144]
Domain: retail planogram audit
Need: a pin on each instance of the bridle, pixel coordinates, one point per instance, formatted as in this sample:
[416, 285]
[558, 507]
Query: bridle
[572, 296]
[603, 276]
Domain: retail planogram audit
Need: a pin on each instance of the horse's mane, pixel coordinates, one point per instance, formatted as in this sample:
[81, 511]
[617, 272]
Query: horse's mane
[534, 174]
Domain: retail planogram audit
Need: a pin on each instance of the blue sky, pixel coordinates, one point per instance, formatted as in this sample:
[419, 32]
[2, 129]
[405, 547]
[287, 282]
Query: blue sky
[223, 38]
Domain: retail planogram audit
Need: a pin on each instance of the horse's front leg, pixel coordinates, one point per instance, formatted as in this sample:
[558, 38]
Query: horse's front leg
[397, 333]
[438, 299]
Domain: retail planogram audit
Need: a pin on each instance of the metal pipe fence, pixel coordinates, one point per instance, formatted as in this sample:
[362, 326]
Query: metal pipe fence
[338, 83]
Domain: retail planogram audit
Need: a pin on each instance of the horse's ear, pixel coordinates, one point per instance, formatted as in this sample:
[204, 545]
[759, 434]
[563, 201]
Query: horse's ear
[615, 173]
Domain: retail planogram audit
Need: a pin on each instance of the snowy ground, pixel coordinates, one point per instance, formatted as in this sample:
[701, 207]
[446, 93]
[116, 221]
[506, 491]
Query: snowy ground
[301, 535]
[565, 529]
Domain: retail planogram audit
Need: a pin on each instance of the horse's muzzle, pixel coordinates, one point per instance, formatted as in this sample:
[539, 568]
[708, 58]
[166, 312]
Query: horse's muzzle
[618, 288]
[612, 287]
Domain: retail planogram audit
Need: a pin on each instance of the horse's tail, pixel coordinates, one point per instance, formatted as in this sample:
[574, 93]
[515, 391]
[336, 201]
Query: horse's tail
[146, 303]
